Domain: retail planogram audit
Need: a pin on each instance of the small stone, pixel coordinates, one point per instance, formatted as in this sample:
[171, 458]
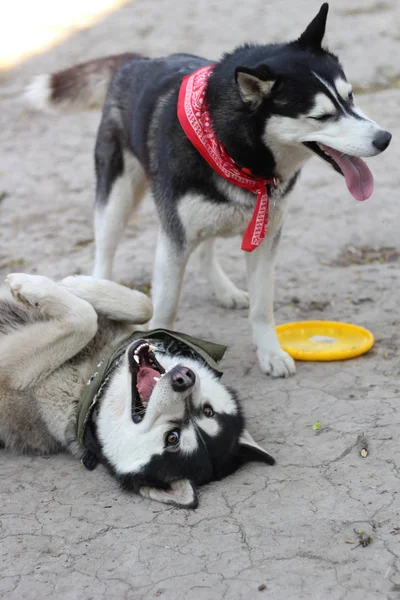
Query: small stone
[262, 587]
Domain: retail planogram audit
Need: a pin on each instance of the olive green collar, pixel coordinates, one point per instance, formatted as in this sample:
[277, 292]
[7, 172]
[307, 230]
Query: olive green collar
[172, 342]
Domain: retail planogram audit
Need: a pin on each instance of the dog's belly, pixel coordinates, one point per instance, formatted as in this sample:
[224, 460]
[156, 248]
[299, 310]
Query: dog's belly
[21, 425]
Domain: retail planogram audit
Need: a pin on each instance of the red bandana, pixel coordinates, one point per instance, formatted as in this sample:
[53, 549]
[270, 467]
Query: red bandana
[195, 119]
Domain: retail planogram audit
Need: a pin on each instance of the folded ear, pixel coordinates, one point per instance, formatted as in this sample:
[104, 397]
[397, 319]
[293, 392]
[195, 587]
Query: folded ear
[250, 450]
[313, 35]
[181, 493]
[254, 84]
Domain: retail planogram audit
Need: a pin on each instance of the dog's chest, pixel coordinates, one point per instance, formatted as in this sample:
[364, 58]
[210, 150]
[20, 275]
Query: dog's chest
[203, 217]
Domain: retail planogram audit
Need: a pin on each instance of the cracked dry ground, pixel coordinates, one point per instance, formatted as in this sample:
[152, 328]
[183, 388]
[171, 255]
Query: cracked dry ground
[272, 532]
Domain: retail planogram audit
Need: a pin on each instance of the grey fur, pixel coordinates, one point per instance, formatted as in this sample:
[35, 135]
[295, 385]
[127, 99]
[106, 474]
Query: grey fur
[28, 413]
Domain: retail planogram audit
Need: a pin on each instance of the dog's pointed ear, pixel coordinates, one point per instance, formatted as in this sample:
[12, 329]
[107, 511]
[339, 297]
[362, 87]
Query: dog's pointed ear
[254, 84]
[181, 494]
[313, 35]
[251, 451]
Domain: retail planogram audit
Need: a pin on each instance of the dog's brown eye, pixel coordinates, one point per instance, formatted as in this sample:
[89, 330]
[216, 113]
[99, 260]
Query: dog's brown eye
[208, 411]
[172, 438]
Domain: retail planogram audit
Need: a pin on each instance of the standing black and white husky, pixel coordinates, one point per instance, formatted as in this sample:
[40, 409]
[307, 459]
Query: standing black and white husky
[160, 419]
[272, 107]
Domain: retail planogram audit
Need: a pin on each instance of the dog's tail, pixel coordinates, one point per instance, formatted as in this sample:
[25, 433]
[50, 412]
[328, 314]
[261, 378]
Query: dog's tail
[81, 87]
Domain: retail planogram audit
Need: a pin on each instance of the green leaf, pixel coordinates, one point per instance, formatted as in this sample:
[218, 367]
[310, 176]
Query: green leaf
[316, 426]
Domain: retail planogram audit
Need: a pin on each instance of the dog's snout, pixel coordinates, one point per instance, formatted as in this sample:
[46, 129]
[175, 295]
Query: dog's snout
[382, 140]
[183, 378]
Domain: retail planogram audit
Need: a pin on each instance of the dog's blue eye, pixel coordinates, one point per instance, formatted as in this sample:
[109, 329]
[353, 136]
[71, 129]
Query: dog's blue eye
[208, 411]
[172, 438]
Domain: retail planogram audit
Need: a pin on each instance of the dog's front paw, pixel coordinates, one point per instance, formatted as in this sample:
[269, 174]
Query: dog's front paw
[277, 363]
[233, 298]
[28, 289]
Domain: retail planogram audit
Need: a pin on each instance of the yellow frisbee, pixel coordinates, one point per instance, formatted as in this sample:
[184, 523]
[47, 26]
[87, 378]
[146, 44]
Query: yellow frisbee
[324, 340]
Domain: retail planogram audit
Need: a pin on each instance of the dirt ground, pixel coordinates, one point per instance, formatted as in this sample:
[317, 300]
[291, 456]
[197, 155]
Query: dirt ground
[266, 532]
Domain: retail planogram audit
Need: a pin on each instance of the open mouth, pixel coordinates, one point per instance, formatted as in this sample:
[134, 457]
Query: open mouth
[146, 372]
[359, 179]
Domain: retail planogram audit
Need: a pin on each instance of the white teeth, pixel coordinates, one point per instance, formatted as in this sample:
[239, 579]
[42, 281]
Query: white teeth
[140, 348]
[156, 378]
[321, 148]
[136, 359]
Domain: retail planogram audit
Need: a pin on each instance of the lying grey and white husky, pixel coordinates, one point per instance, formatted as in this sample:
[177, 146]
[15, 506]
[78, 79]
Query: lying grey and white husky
[272, 107]
[159, 418]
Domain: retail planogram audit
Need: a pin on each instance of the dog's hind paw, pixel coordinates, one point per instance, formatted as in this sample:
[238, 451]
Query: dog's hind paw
[277, 363]
[233, 298]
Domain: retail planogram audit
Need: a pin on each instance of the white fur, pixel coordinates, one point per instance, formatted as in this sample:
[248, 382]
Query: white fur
[169, 266]
[327, 85]
[110, 299]
[38, 93]
[202, 220]
[322, 106]
[182, 493]
[348, 135]
[343, 88]
[261, 277]
[110, 220]
[129, 446]
[209, 426]
[227, 293]
[42, 347]
[340, 89]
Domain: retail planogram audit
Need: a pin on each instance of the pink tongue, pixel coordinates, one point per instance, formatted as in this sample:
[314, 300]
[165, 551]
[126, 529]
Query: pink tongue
[359, 179]
[145, 381]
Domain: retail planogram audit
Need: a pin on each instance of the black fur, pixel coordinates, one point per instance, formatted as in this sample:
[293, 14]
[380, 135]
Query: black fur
[215, 457]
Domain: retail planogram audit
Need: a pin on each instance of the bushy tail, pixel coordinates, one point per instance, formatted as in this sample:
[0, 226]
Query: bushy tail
[81, 87]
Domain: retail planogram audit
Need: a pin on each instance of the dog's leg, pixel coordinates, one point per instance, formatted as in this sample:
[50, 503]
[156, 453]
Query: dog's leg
[169, 266]
[225, 290]
[260, 268]
[66, 325]
[110, 299]
[121, 185]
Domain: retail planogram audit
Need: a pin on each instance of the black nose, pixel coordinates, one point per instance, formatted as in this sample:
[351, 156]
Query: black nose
[382, 140]
[182, 378]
